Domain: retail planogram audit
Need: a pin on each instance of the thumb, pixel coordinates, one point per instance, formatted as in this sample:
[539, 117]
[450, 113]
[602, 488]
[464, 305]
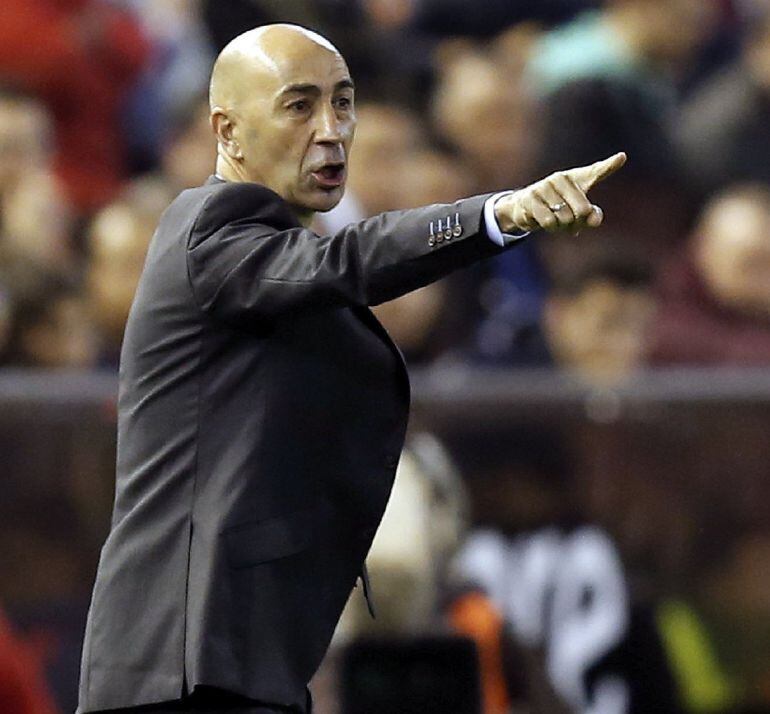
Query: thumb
[588, 176]
[596, 217]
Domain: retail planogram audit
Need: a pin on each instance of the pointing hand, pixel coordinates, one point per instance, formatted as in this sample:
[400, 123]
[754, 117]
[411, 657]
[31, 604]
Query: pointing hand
[557, 203]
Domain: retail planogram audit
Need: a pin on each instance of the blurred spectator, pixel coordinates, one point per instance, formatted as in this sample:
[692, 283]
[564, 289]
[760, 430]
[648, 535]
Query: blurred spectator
[189, 152]
[22, 684]
[34, 220]
[392, 168]
[571, 629]
[511, 49]
[511, 298]
[722, 130]
[428, 322]
[79, 57]
[714, 304]
[482, 18]
[50, 324]
[405, 32]
[24, 138]
[242, 15]
[410, 34]
[176, 74]
[488, 115]
[432, 176]
[386, 137]
[596, 321]
[614, 73]
[661, 517]
[636, 41]
[483, 108]
[118, 237]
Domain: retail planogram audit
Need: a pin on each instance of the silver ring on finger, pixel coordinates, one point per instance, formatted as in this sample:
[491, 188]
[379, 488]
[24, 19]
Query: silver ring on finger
[556, 207]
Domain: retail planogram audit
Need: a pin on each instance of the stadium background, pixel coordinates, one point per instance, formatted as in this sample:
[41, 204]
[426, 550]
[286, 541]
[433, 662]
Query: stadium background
[585, 492]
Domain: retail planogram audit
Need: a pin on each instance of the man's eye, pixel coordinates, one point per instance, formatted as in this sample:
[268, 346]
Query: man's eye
[300, 105]
[344, 103]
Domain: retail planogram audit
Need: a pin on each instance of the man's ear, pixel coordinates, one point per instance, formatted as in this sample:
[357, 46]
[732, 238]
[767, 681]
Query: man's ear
[224, 128]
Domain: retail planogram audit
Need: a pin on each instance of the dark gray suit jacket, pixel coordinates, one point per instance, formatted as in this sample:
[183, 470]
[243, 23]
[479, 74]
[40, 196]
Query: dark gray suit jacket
[262, 411]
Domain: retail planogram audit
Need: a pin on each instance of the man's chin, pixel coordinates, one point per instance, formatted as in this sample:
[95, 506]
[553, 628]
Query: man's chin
[318, 201]
[324, 201]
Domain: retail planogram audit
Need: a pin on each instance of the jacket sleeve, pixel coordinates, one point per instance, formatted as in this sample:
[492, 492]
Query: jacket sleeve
[248, 258]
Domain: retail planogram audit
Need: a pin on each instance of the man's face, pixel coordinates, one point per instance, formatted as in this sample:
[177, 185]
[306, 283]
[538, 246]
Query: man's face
[295, 132]
[734, 254]
[23, 135]
[118, 241]
[385, 139]
[483, 113]
[599, 332]
[63, 338]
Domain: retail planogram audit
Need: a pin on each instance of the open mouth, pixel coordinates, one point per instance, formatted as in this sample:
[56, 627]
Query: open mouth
[330, 175]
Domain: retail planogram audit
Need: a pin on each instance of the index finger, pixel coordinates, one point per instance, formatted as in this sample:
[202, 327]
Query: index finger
[587, 176]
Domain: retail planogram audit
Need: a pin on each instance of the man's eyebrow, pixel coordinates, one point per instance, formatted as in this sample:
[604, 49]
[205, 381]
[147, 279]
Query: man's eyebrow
[301, 89]
[345, 84]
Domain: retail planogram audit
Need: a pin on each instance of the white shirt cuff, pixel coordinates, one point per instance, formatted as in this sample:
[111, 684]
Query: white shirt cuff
[490, 222]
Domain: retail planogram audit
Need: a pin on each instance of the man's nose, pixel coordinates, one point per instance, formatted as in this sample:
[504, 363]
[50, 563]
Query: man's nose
[329, 129]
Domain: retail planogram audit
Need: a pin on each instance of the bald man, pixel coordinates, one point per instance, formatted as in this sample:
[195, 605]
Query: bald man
[262, 407]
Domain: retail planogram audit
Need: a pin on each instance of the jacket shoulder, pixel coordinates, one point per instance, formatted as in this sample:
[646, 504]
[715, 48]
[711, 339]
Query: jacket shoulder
[229, 201]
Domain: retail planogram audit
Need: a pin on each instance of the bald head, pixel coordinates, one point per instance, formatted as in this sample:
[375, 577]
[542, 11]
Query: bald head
[260, 54]
[281, 102]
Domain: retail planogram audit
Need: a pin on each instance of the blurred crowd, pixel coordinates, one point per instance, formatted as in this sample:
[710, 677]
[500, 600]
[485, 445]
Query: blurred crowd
[103, 120]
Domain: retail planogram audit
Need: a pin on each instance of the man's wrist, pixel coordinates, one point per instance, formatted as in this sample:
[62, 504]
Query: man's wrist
[495, 231]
